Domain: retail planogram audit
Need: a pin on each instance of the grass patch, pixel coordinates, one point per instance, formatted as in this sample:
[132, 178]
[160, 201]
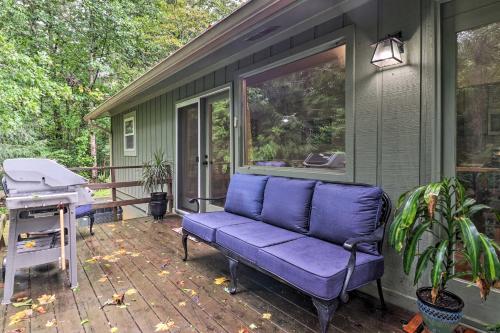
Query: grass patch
[102, 193]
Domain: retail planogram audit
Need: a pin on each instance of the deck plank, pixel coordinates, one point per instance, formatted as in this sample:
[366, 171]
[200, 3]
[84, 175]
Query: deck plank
[88, 304]
[21, 289]
[120, 318]
[40, 281]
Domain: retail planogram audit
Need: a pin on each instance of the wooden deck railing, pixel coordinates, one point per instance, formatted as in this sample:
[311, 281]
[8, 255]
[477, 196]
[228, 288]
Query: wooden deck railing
[114, 185]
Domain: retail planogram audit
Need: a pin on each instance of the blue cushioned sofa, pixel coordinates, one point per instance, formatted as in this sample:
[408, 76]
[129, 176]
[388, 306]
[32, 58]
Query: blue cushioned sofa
[321, 238]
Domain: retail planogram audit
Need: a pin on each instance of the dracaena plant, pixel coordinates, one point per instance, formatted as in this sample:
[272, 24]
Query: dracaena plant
[156, 173]
[443, 210]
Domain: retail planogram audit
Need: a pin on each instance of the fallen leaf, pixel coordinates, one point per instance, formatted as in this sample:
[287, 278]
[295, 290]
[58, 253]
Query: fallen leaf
[103, 279]
[252, 326]
[118, 299]
[18, 330]
[119, 240]
[161, 327]
[180, 283]
[94, 259]
[182, 304]
[120, 252]
[243, 330]
[83, 322]
[130, 292]
[110, 258]
[221, 280]
[113, 330]
[40, 310]
[25, 302]
[163, 273]
[266, 316]
[135, 254]
[30, 244]
[46, 299]
[20, 316]
[50, 323]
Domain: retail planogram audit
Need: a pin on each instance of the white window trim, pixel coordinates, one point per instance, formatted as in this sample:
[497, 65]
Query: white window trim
[130, 152]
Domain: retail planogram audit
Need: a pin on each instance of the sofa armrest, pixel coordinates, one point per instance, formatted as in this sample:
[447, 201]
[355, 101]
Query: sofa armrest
[197, 201]
[352, 243]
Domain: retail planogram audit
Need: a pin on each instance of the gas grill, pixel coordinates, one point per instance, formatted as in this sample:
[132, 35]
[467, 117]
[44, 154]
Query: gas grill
[41, 196]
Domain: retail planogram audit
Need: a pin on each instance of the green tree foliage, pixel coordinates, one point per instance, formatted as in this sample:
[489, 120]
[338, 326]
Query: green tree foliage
[59, 59]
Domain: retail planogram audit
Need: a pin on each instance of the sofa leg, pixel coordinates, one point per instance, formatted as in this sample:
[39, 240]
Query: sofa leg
[92, 220]
[325, 312]
[381, 294]
[233, 270]
[185, 245]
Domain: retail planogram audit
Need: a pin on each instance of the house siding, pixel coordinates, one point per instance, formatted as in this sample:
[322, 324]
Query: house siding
[395, 109]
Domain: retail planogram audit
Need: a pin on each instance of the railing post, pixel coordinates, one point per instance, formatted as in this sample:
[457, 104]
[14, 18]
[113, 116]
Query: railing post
[113, 193]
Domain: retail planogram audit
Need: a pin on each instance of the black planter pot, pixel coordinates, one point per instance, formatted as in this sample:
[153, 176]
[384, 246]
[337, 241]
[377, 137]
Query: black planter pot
[439, 319]
[158, 205]
[158, 196]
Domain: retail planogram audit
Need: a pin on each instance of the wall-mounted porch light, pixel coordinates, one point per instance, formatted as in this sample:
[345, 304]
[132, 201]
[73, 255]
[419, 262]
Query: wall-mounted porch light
[388, 51]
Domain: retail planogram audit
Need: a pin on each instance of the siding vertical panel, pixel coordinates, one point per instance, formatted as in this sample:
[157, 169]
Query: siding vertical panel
[190, 89]
[367, 90]
[220, 77]
[199, 85]
[400, 132]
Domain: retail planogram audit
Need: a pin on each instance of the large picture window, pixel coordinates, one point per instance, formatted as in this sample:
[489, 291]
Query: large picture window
[295, 113]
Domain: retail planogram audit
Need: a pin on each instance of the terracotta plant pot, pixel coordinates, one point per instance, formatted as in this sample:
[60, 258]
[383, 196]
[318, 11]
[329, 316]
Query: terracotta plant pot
[439, 318]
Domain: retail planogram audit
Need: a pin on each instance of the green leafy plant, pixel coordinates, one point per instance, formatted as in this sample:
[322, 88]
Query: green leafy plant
[443, 210]
[156, 173]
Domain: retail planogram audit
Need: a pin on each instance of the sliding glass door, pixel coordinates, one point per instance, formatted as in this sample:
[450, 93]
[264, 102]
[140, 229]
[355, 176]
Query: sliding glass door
[471, 104]
[218, 149]
[204, 158]
[187, 156]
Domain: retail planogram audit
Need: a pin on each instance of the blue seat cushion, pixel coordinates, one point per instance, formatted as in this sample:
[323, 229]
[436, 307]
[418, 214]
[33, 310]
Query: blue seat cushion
[84, 210]
[340, 212]
[287, 203]
[245, 194]
[246, 239]
[204, 225]
[318, 267]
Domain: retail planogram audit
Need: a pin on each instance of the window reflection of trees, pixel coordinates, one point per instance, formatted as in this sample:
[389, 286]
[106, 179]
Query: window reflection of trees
[298, 113]
[478, 112]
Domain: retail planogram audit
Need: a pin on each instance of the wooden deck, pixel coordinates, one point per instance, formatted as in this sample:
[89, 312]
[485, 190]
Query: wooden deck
[144, 258]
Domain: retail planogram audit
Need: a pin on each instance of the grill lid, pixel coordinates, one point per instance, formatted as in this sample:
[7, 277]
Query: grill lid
[36, 174]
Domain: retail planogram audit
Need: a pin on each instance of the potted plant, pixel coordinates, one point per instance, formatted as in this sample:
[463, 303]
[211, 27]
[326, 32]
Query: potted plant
[443, 211]
[154, 176]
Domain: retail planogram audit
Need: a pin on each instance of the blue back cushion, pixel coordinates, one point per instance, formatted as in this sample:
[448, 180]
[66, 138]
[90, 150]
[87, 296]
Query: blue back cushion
[245, 194]
[287, 203]
[340, 212]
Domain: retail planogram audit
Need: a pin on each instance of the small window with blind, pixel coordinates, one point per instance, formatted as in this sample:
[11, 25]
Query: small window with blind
[129, 131]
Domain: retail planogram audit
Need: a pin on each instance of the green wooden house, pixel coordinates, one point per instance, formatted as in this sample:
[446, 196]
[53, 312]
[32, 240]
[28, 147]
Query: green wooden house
[389, 92]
